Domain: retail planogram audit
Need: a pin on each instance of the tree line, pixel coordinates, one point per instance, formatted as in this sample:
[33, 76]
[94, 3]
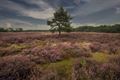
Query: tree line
[11, 29]
[101, 28]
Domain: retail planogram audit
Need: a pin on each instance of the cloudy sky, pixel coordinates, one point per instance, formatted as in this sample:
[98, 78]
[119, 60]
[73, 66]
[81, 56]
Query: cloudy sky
[32, 14]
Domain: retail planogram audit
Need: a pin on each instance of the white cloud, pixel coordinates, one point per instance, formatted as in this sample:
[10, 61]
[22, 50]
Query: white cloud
[117, 10]
[39, 3]
[15, 23]
[42, 27]
[77, 1]
[94, 6]
[44, 11]
[84, 24]
[11, 6]
[45, 14]
[8, 25]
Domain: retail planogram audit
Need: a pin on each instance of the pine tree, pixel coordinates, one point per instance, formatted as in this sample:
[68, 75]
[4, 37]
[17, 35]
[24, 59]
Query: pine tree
[60, 22]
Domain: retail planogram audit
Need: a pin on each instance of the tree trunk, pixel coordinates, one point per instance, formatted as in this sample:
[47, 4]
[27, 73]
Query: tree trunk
[59, 30]
[59, 33]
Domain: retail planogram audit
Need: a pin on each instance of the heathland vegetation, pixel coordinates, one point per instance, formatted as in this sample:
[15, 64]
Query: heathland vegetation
[73, 56]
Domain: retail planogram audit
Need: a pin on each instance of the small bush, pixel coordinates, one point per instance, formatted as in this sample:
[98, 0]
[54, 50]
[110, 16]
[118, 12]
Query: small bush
[93, 70]
[44, 55]
[109, 71]
[8, 51]
[75, 52]
[113, 49]
[50, 75]
[16, 68]
[85, 70]
[95, 47]
[115, 60]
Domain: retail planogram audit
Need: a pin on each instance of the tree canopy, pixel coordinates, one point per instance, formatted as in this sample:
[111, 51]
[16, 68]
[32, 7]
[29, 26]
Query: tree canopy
[60, 22]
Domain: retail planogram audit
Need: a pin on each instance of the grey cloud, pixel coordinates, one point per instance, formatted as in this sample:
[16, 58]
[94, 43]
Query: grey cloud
[32, 14]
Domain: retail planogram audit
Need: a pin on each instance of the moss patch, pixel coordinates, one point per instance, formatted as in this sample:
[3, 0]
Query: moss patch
[100, 57]
[63, 68]
[18, 46]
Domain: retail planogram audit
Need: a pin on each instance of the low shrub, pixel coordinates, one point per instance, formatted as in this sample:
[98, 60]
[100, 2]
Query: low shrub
[16, 68]
[8, 51]
[85, 70]
[93, 70]
[50, 75]
[44, 55]
[115, 60]
[95, 47]
[109, 71]
[75, 52]
[113, 48]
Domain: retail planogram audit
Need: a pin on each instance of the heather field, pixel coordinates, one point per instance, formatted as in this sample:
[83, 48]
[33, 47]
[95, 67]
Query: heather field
[71, 56]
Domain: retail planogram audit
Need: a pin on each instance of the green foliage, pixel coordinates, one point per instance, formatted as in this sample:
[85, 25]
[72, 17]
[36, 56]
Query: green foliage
[3, 30]
[11, 30]
[102, 28]
[61, 21]
[18, 30]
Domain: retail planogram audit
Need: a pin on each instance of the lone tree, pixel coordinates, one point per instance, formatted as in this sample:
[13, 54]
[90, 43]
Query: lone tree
[60, 22]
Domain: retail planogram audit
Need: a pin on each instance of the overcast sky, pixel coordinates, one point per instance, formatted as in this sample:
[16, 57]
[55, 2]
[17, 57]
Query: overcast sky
[33, 14]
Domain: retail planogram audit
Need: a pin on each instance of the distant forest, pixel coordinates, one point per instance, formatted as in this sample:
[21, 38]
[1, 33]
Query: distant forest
[101, 28]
